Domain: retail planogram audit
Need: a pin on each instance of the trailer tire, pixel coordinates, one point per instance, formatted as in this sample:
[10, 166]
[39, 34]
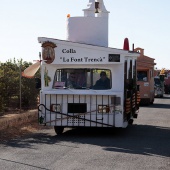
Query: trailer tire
[151, 102]
[58, 129]
[130, 122]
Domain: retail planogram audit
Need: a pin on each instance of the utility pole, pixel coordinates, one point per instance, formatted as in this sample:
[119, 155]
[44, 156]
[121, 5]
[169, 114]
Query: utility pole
[20, 92]
[20, 87]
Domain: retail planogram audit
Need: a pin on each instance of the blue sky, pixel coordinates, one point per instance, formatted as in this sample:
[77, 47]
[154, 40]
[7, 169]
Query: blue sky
[145, 22]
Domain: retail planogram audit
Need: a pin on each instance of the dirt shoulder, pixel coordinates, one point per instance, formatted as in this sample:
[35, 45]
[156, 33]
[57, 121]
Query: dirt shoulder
[14, 125]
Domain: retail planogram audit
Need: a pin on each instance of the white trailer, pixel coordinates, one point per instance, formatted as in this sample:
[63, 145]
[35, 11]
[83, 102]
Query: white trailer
[85, 56]
[86, 105]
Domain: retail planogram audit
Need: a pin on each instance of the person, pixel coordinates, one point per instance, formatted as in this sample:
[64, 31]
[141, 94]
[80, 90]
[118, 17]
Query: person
[103, 82]
[71, 81]
[80, 78]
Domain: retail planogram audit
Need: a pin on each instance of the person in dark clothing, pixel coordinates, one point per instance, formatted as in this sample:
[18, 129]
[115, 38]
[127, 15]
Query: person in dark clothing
[71, 83]
[103, 82]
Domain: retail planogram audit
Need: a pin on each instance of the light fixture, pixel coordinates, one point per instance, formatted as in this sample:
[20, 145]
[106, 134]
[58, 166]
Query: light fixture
[103, 109]
[55, 108]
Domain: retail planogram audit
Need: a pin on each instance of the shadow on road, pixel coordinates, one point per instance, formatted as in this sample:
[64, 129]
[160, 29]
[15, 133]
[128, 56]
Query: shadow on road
[136, 139]
[166, 96]
[160, 106]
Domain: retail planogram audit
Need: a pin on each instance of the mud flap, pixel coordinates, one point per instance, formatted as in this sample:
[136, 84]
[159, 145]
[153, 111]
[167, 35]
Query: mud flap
[118, 119]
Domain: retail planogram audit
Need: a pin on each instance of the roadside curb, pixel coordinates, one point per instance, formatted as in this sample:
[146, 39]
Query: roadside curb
[15, 120]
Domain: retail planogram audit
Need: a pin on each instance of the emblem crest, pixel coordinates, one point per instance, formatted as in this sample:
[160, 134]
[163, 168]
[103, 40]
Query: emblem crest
[48, 52]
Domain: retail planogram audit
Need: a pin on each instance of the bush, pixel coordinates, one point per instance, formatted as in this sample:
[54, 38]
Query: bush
[10, 87]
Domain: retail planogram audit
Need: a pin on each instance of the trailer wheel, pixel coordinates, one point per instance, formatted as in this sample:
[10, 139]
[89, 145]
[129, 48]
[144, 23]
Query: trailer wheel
[130, 122]
[152, 102]
[58, 129]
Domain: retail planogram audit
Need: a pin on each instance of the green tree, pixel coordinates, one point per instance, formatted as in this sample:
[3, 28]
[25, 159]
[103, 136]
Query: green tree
[10, 86]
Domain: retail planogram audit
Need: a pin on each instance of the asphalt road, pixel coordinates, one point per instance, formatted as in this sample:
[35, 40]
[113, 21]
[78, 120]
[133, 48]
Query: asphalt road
[143, 146]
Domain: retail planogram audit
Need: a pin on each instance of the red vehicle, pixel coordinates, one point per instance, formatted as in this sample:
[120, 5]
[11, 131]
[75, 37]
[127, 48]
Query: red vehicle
[167, 82]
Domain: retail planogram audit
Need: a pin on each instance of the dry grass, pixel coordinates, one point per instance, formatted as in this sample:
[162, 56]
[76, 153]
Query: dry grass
[16, 125]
